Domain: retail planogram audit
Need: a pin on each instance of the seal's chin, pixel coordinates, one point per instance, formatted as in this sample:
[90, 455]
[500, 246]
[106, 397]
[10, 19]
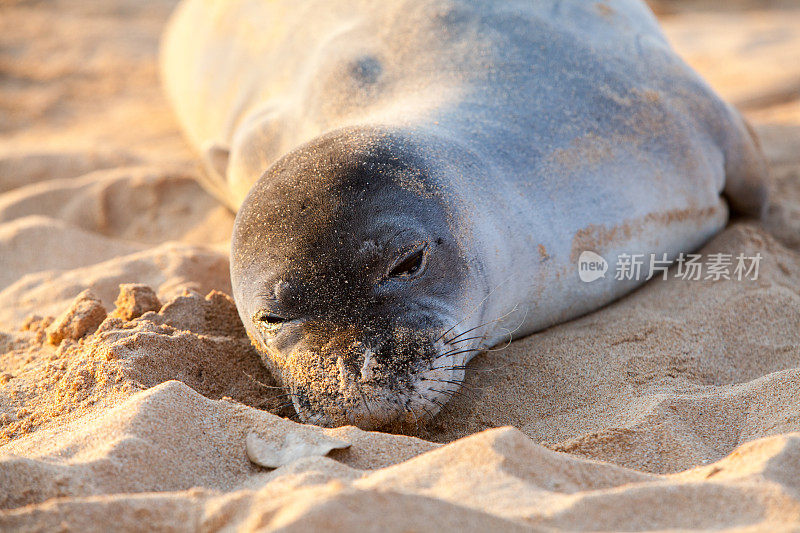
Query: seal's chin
[379, 395]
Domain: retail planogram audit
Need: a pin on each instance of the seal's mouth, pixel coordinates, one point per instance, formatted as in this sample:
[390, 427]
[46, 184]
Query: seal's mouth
[399, 383]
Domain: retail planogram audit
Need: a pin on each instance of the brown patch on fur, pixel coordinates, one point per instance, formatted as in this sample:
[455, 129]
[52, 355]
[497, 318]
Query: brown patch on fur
[589, 150]
[596, 237]
[604, 9]
[543, 253]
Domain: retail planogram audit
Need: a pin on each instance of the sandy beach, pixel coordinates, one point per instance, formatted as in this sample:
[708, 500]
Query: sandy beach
[128, 386]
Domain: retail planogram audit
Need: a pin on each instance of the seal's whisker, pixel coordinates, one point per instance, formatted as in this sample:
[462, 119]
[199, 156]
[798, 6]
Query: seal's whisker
[260, 383]
[453, 393]
[461, 385]
[468, 339]
[283, 406]
[421, 406]
[413, 415]
[289, 401]
[464, 367]
[510, 340]
[407, 410]
[428, 413]
[501, 317]
[442, 368]
[447, 367]
[521, 322]
[452, 353]
[276, 397]
[473, 309]
[511, 334]
[366, 403]
[435, 401]
[448, 381]
[450, 341]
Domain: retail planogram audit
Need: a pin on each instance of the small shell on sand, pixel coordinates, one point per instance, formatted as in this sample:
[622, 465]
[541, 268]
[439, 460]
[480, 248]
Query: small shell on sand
[83, 316]
[296, 445]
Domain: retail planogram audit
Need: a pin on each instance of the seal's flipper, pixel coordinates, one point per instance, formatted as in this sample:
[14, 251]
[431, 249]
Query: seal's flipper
[746, 170]
[215, 163]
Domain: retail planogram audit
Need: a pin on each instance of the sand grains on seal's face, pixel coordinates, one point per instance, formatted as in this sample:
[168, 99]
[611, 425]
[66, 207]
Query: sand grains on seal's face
[356, 276]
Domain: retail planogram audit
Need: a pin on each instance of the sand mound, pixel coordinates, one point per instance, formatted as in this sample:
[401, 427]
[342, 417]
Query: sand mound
[169, 454]
[136, 204]
[128, 386]
[97, 358]
[169, 269]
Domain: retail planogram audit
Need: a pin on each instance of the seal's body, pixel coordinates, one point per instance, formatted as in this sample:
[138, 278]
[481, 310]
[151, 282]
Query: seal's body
[416, 179]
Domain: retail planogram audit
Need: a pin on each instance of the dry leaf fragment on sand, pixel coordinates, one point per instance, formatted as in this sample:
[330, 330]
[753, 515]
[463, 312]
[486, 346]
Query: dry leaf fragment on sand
[296, 445]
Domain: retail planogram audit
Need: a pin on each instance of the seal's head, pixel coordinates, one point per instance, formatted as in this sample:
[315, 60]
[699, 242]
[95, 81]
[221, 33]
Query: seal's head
[348, 273]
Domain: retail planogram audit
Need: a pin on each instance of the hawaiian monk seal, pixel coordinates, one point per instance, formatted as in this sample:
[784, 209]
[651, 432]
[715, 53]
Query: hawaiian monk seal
[414, 179]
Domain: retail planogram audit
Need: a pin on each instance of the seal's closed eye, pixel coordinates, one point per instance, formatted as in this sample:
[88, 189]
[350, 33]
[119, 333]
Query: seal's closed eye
[411, 264]
[268, 322]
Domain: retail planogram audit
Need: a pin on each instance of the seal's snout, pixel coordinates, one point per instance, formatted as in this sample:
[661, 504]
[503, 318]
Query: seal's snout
[370, 381]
